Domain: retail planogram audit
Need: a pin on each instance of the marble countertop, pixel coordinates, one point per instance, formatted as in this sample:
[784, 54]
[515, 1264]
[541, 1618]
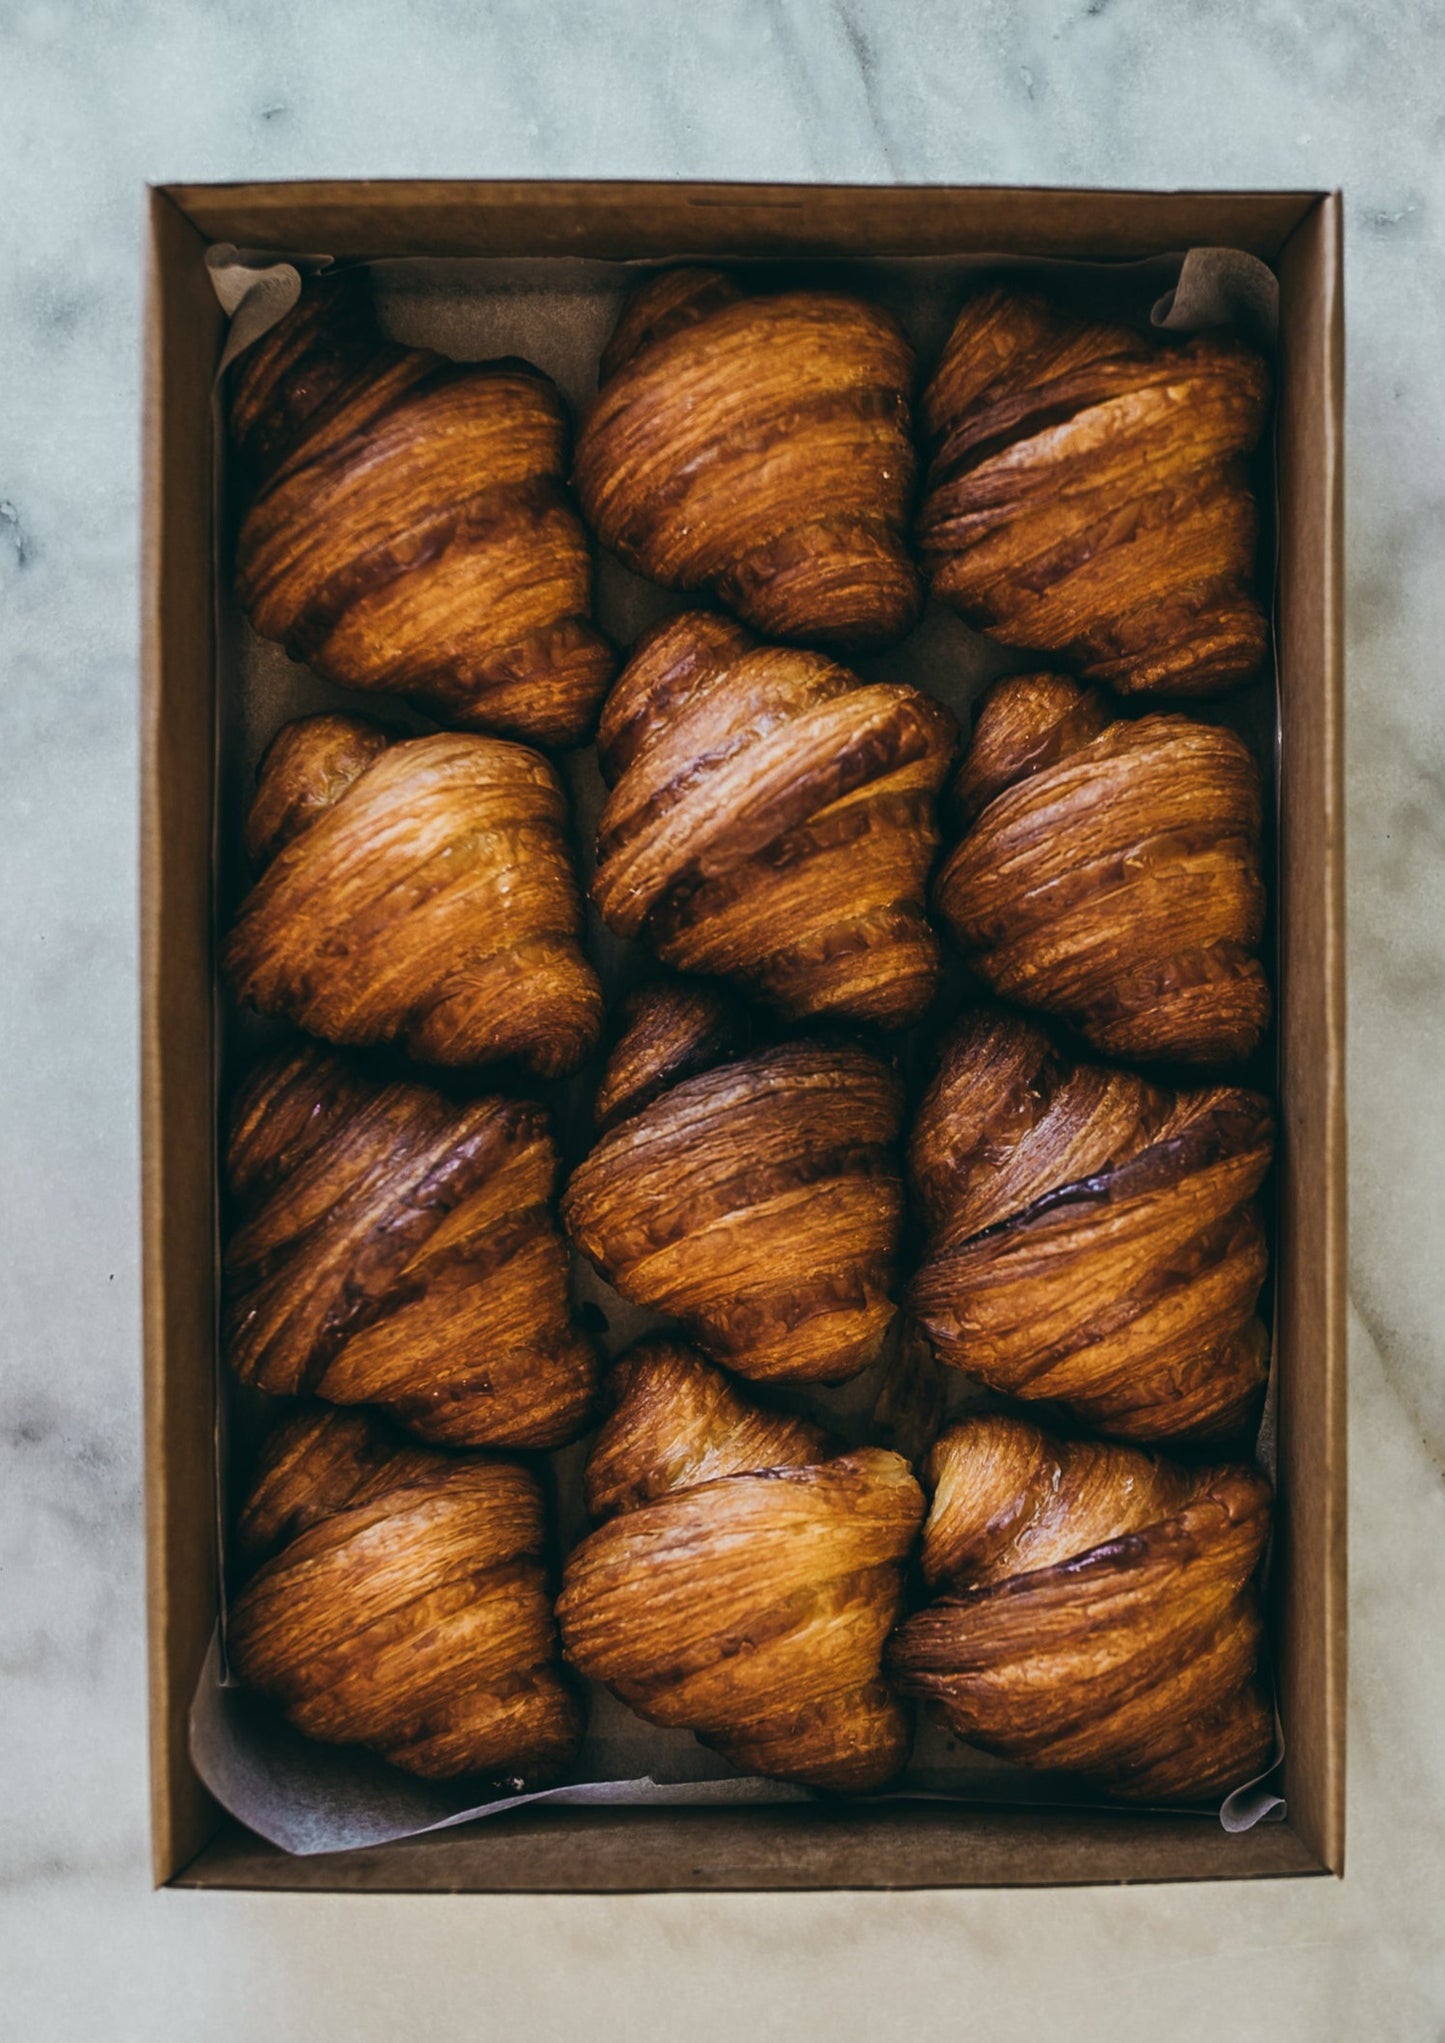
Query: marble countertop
[94, 101]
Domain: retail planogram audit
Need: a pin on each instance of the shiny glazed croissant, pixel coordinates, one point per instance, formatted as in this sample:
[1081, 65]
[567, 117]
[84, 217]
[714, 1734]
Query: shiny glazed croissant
[1109, 872]
[417, 892]
[1098, 1615]
[408, 1606]
[408, 529]
[1087, 494]
[759, 445]
[395, 1247]
[1093, 1239]
[760, 1205]
[772, 821]
[745, 1587]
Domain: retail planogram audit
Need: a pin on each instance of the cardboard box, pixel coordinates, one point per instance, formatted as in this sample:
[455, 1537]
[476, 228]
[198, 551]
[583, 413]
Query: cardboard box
[891, 1845]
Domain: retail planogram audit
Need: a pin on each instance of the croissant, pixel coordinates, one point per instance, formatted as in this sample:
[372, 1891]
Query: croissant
[417, 892]
[759, 1205]
[1087, 494]
[772, 821]
[1098, 1614]
[667, 1032]
[1094, 1239]
[759, 445]
[407, 1609]
[1109, 872]
[745, 1587]
[407, 527]
[396, 1247]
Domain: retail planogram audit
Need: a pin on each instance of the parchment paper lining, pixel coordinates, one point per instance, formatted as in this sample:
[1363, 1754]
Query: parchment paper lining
[309, 1798]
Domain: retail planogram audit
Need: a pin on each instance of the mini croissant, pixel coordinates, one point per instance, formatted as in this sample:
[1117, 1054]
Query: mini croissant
[744, 1587]
[408, 1608]
[416, 892]
[396, 1247]
[1098, 1613]
[772, 821]
[1093, 1239]
[759, 445]
[760, 1205]
[1109, 872]
[407, 527]
[1088, 495]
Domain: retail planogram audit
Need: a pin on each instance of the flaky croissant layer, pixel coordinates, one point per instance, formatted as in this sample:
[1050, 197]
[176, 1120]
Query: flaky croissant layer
[407, 1608]
[396, 1247]
[1087, 496]
[1094, 1240]
[1109, 872]
[759, 445]
[1098, 1612]
[772, 821]
[760, 1205]
[744, 1587]
[418, 892]
[408, 529]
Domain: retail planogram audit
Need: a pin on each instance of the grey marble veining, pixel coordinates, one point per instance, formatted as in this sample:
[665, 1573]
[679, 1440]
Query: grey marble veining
[96, 99]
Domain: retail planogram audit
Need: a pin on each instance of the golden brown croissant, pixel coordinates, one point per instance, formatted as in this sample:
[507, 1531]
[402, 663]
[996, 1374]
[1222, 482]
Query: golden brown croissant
[759, 445]
[408, 1611]
[408, 528]
[396, 1247]
[417, 892]
[667, 1032]
[1109, 872]
[773, 821]
[1088, 495]
[760, 1205]
[1099, 1613]
[744, 1590]
[1093, 1239]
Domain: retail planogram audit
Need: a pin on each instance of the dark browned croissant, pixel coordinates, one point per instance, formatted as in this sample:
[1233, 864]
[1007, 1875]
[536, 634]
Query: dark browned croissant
[759, 445]
[408, 528]
[408, 1607]
[760, 1205]
[395, 1247]
[1109, 872]
[1099, 1614]
[419, 893]
[667, 1032]
[772, 821]
[1087, 494]
[745, 1587]
[1092, 1238]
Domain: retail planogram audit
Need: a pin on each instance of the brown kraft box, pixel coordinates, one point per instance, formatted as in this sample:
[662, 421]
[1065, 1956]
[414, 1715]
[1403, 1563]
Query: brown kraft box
[898, 1844]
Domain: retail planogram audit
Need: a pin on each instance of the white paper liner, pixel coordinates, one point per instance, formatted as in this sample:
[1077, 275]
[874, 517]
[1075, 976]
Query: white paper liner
[309, 1798]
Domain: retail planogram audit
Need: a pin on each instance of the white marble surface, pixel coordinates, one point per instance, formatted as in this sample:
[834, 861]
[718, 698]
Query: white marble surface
[94, 100]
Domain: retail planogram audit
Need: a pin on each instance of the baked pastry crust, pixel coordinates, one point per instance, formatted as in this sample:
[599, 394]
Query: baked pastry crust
[759, 445]
[419, 891]
[396, 1247]
[1098, 1612]
[1094, 1239]
[408, 1608]
[772, 822]
[407, 526]
[759, 1205]
[1087, 494]
[743, 1586]
[1109, 872]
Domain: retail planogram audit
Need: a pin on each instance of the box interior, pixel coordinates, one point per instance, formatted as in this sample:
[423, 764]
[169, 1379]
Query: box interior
[899, 1843]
